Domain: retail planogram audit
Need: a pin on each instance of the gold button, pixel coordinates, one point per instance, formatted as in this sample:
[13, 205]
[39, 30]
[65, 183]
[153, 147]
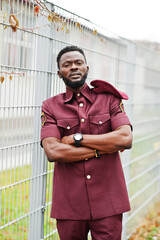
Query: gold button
[88, 177]
[78, 94]
[100, 122]
[82, 120]
[68, 127]
[81, 104]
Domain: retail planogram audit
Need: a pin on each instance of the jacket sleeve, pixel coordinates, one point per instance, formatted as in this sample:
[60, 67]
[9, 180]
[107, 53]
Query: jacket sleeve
[49, 126]
[118, 114]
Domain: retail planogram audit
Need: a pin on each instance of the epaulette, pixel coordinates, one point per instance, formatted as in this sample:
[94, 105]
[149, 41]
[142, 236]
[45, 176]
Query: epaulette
[101, 86]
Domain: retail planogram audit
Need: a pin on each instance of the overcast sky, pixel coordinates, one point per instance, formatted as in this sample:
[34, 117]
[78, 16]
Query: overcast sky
[132, 19]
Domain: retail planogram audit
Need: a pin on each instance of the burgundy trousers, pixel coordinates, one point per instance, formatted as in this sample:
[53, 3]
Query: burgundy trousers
[109, 228]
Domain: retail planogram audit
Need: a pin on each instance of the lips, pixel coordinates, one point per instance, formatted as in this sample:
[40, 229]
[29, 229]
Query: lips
[75, 75]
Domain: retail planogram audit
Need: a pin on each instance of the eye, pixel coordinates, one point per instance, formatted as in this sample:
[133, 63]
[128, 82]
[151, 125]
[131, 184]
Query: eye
[79, 63]
[66, 65]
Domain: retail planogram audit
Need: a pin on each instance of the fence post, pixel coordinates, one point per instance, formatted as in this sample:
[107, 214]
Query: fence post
[130, 71]
[44, 50]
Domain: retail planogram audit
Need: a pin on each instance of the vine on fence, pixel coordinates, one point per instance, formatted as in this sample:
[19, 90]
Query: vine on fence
[40, 8]
[2, 78]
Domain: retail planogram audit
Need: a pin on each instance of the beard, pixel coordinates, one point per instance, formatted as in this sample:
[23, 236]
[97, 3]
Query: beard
[76, 84]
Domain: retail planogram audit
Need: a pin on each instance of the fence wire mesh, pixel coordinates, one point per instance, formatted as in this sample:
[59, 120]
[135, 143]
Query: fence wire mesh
[28, 75]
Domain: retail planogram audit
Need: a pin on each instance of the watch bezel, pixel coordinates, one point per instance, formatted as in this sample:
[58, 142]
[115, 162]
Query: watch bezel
[77, 141]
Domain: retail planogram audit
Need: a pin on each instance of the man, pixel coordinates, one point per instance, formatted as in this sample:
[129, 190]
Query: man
[82, 132]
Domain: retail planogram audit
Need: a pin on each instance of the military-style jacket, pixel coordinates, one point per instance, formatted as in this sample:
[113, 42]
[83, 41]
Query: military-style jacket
[94, 188]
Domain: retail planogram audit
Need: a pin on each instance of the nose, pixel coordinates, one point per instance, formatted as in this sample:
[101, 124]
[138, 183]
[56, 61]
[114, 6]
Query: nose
[73, 66]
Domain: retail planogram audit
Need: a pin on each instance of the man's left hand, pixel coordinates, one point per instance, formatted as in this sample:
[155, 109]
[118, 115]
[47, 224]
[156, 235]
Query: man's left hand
[68, 140]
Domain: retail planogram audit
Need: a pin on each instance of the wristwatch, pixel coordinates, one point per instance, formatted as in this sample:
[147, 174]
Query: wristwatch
[77, 139]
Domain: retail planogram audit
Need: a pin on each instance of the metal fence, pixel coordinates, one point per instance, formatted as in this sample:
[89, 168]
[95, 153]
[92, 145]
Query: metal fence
[28, 75]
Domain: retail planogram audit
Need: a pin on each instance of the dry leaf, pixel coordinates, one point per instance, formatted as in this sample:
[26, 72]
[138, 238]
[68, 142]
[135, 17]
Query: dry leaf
[14, 23]
[49, 18]
[77, 24]
[36, 10]
[95, 32]
[2, 79]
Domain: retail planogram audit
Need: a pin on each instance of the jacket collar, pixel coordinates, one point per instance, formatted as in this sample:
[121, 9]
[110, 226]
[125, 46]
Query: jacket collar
[86, 92]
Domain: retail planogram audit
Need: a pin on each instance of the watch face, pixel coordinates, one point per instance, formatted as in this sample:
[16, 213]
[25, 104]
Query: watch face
[78, 136]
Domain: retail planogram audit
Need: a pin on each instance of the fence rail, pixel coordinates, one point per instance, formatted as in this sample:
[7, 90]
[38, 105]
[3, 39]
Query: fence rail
[28, 75]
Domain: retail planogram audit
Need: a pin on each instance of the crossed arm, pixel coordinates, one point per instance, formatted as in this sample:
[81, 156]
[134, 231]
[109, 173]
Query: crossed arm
[65, 151]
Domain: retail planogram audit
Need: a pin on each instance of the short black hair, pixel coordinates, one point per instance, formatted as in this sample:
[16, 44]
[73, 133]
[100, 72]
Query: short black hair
[69, 49]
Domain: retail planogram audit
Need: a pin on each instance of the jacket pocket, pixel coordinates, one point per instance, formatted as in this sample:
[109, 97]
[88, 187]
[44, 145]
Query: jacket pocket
[100, 123]
[68, 126]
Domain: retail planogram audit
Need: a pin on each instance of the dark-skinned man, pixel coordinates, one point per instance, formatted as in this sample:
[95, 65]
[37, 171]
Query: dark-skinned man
[83, 131]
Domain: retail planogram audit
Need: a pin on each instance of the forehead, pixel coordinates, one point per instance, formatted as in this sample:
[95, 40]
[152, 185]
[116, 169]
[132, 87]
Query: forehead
[71, 56]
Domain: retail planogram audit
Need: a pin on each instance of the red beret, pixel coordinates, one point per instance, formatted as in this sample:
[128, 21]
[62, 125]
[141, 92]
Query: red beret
[101, 86]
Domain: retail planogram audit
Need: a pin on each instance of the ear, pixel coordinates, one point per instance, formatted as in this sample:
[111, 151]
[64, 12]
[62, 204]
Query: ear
[59, 74]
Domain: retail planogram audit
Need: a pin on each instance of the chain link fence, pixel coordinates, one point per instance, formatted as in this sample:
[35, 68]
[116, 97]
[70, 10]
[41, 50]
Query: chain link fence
[28, 75]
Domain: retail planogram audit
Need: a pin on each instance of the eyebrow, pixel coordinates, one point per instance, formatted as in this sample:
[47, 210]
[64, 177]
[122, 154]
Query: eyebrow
[73, 61]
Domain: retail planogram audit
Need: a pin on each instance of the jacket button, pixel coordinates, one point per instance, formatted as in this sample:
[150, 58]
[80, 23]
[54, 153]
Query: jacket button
[100, 122]
[78, 94]
[68, 127]
[88, 177]
[81, 104]
[82, 120]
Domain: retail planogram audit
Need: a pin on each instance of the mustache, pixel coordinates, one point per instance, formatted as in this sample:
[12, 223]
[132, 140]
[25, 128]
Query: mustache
[75, 73]
[77, 84]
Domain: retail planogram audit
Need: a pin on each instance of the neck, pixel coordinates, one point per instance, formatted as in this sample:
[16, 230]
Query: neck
[75, 90]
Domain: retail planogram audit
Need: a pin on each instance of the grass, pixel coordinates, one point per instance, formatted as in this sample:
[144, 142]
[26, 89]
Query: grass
[139, 149]
[15, 202]
[150, 229]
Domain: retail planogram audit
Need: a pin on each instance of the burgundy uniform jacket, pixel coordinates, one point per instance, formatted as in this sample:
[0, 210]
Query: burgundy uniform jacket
[95, 188]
